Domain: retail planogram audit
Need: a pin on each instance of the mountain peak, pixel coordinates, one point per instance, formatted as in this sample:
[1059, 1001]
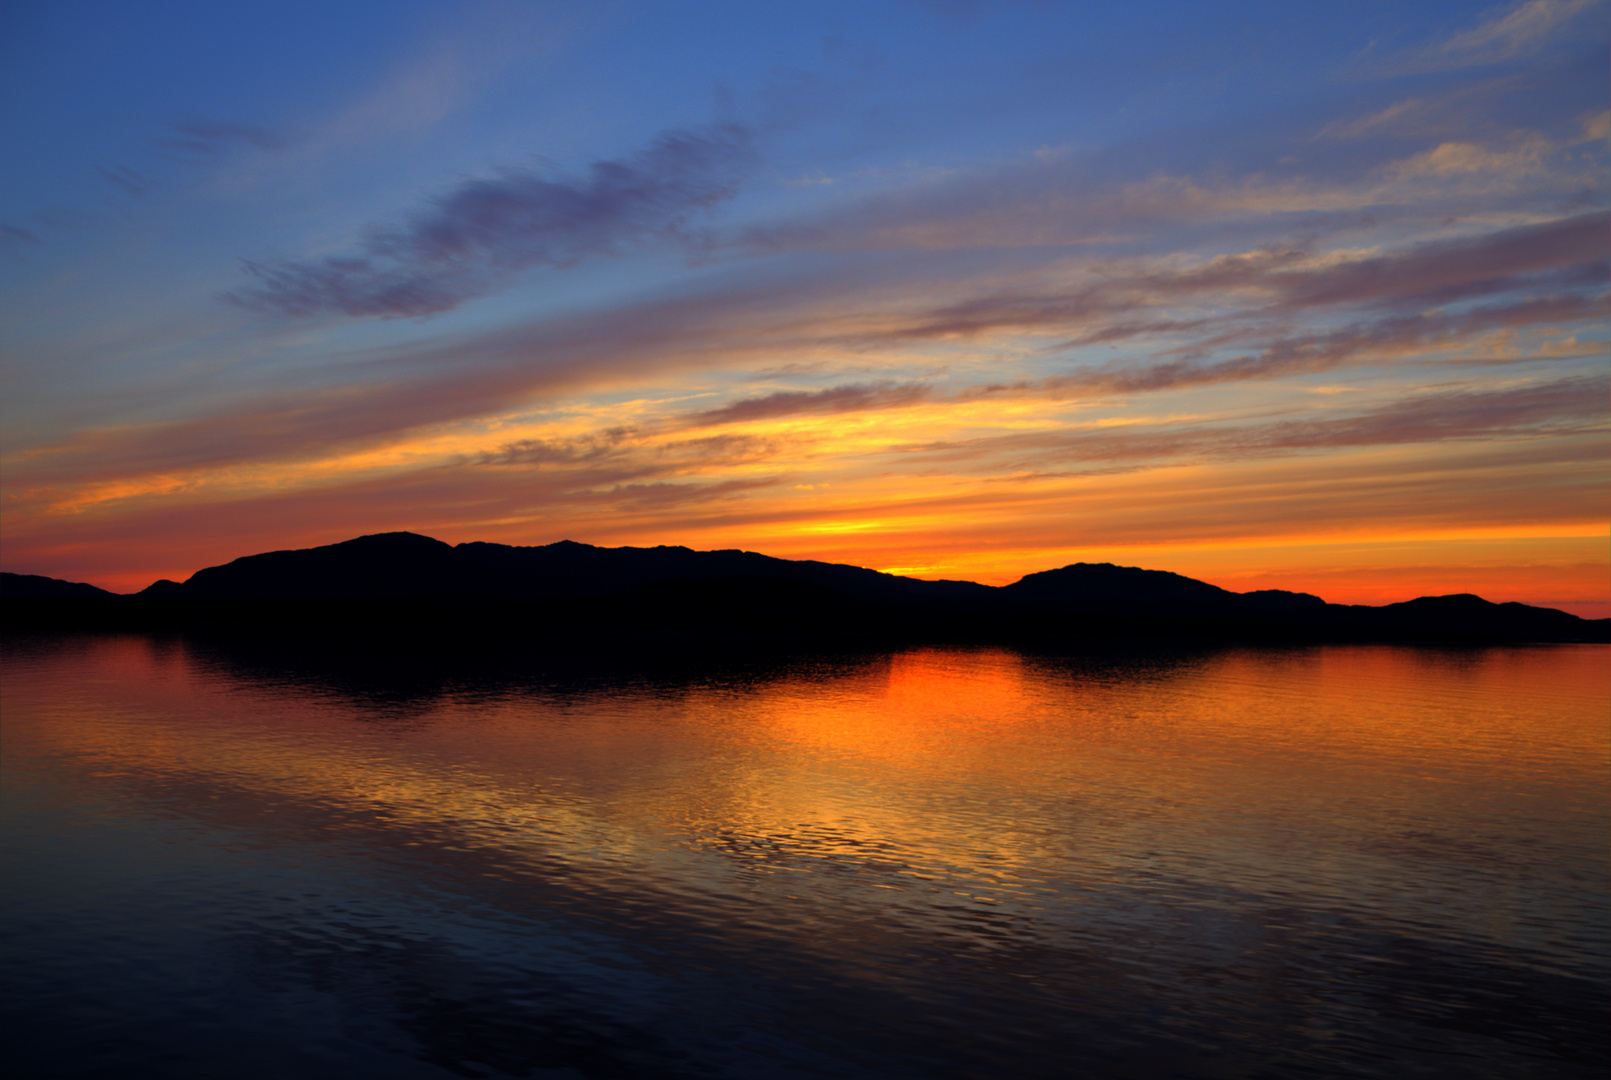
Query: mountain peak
[1105, 583]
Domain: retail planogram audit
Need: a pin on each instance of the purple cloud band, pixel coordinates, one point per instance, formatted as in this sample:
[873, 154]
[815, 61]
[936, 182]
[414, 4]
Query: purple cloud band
[470, 240]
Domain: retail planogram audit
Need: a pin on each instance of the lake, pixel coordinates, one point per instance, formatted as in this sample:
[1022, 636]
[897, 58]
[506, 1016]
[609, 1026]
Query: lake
[227, 859]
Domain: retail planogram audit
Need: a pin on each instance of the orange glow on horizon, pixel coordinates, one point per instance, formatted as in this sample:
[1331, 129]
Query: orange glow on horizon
[930, 488]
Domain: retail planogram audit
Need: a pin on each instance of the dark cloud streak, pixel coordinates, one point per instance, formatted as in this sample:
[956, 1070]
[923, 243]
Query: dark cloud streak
[1573, 406]
[1566, 253]
[125, 179]
[209, 137]
[1248, 337]
[1450, 271]
[470, 240]
[835, 399]
[1309, 353]
[12, 232]
[449, 382]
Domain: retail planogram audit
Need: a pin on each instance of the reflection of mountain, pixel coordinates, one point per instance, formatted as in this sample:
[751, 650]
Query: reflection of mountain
[566, 588]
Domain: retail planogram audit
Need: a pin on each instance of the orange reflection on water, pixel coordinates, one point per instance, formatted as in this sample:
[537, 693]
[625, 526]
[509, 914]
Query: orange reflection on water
[980, 773]
[903, 708]
[1211, 835]
[1505, 709]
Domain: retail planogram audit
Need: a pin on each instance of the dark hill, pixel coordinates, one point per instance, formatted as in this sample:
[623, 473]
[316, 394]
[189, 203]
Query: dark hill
[383, 566]
[1102, 588]
[405, 565]
[1466, 616]
[34, 586]
[1106, 589]
[405, 579]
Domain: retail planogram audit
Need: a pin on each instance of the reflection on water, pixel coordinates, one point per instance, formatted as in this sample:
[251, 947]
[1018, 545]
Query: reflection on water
[938, 863]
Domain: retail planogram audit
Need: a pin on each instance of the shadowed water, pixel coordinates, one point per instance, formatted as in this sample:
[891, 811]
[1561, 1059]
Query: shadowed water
[223, 860]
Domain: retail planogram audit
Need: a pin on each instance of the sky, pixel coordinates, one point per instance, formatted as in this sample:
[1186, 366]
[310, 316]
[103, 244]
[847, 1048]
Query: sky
[1306, 296]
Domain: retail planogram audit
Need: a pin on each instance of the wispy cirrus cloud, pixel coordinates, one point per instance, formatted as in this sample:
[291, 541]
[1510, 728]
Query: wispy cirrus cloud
[1463, 152]
[470, 240]
[615, 455]
[1225, 320]
[17, 234]
[1563, 406]
[1378, 341]
[1446, 271]
[1527, 409]
[206, 138]
[1517, 31]
[835, 399]
[1565, 257]
[125, 180]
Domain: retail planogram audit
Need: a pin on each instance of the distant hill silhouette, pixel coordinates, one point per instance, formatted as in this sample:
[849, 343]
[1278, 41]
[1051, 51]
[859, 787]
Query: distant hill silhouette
[404, 565]
[34, 586]
[554, 588]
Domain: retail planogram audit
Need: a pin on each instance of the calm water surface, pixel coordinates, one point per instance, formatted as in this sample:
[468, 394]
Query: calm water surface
[1329, 862]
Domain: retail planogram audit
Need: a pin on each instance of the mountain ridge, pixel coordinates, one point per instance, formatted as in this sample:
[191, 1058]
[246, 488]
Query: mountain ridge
[675, 585]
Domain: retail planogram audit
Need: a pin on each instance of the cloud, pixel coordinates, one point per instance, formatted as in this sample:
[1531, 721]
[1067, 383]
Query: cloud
[469, 241]
[1566, 254]
[1223, 320]
[585, 449]
[1377, 341]
[1449, 270]
[1596, 127]
[1516, 32]
[849, 398]
[12, 232]
[206, 138]
[125, 179]
[1393, 116]
[640, 451]
[663, 495]
[1565, 406]
[1463, 158]
[1471, 146]
[1572, 406]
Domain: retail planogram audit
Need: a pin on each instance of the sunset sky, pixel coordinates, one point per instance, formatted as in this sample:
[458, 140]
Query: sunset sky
[1283, 295]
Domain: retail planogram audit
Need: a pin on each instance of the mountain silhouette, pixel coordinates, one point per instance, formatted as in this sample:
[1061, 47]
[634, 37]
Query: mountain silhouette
[556, 588]
[1102, 588]
[386, 566]
[34, 586]
[404, 565]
